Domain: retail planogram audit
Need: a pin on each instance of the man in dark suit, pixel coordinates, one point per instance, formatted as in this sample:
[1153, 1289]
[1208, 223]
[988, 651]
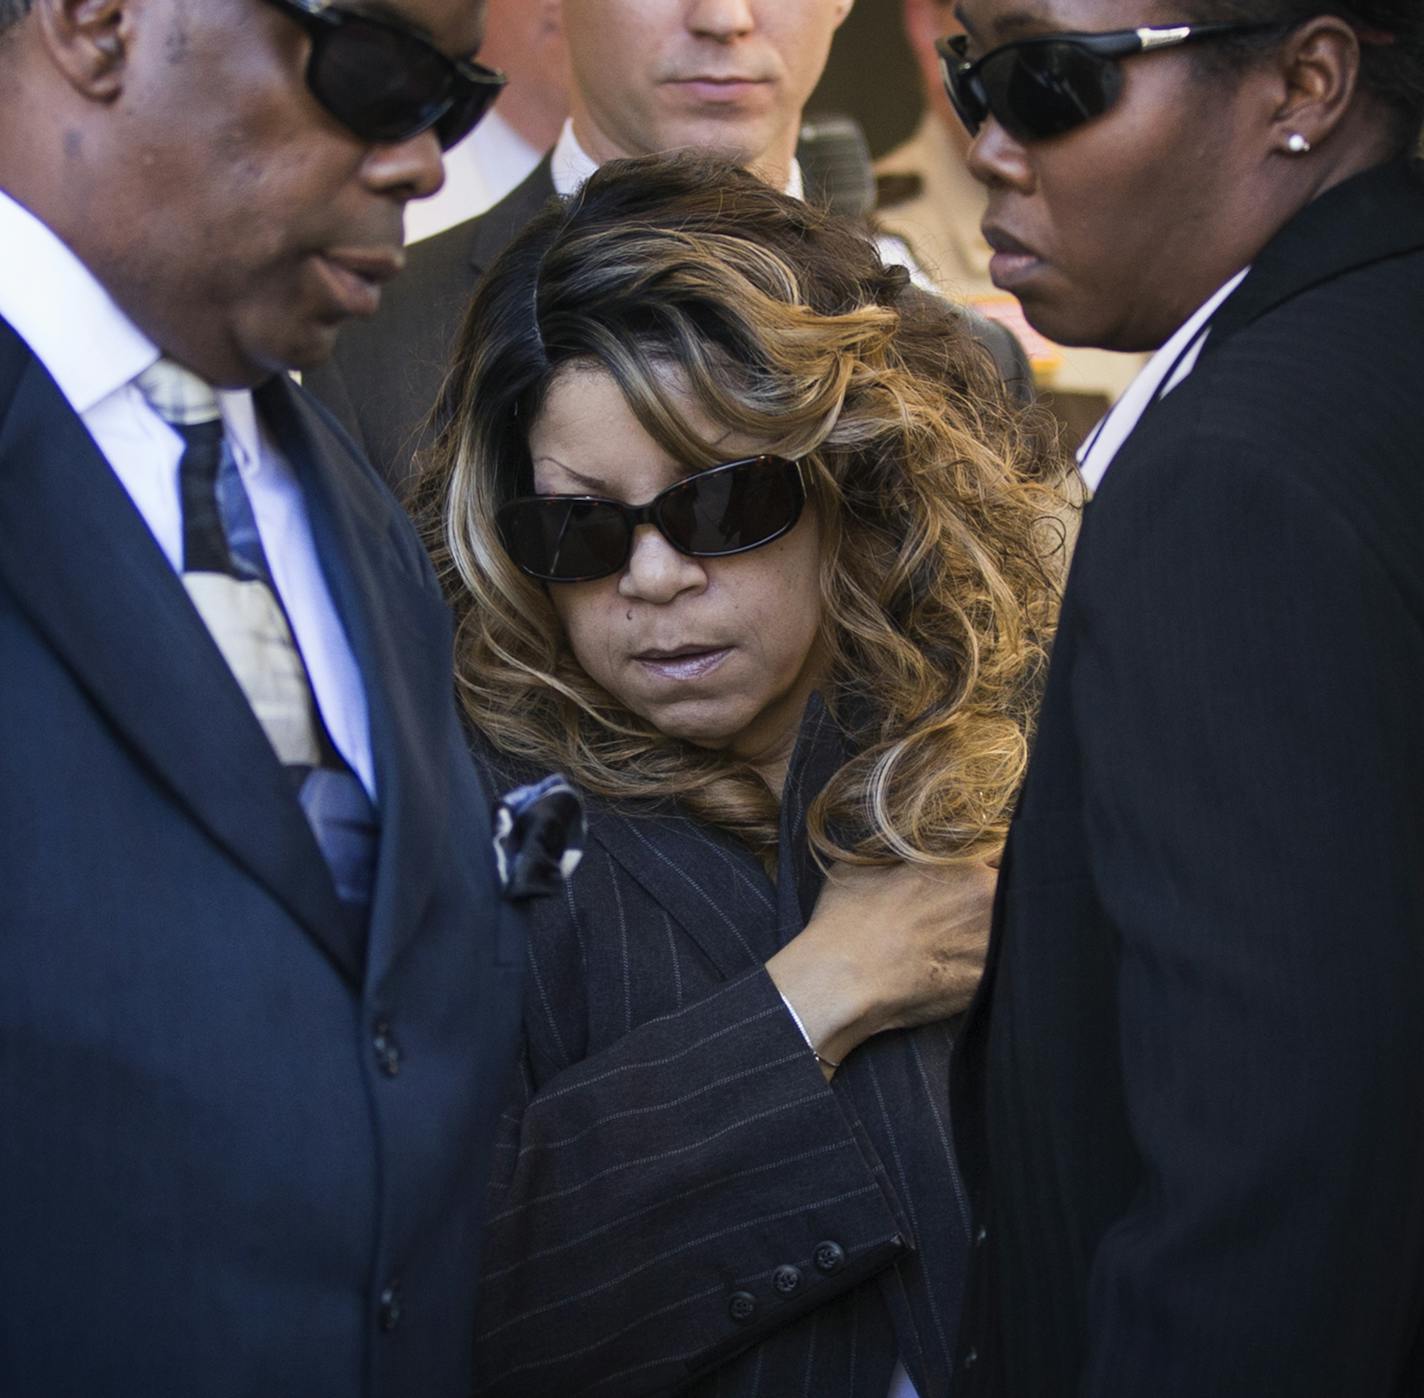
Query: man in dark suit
[259, 989]
[644, 79]
[1190, 1103]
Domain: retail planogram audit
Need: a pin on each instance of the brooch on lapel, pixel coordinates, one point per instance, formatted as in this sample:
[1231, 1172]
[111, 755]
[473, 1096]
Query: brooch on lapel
[538, 837]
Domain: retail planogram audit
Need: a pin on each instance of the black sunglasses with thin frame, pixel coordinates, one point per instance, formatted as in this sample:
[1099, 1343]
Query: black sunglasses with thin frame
[1050, 83]
[726, 509]
[385, 83]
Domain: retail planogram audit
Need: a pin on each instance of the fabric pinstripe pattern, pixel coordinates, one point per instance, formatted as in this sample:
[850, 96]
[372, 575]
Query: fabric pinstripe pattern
[672, 1147]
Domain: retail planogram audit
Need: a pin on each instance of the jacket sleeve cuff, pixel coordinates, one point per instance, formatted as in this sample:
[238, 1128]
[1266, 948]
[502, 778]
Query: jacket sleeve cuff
[677, 1197]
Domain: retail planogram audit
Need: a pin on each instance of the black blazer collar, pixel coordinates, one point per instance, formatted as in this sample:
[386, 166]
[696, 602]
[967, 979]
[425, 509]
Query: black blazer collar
[823, 747]
[1376, 214]
[711, 884]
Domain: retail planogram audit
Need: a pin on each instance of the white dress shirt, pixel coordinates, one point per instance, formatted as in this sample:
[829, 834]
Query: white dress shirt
[572, 165]
[1157, 378]
[94, 353]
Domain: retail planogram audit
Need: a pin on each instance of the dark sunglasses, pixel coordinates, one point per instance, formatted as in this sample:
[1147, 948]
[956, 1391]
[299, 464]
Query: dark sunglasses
[1051, 83]
[726, 509]
[386, 84]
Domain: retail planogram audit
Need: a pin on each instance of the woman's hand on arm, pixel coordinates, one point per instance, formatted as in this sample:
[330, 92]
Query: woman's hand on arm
[886, 948]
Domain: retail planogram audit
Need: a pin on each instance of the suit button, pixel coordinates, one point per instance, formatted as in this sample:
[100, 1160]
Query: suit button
[828, 1257]
[742, 1307]
[787, 1280]
[390, 1309]
[388, 1055]
[971, 1358]
[981, 1236]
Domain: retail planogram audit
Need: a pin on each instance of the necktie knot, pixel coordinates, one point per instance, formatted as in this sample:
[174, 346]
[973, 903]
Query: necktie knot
[178, 395]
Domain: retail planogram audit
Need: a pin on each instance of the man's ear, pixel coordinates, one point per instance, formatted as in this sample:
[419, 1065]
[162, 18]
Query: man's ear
[1320, 74]
[87, 41]
[843, 8]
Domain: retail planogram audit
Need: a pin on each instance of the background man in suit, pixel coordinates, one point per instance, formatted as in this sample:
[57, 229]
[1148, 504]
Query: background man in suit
[646, 76]
[259, 988]
[1190, 1102]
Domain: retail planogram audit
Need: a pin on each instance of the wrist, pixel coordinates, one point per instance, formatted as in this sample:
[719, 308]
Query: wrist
[828, 1065]
[833, 1002]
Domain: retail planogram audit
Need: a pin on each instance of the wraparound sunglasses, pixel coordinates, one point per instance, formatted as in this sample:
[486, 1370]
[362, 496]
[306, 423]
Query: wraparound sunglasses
[385, 83]
[726, 509]
[1051, 83]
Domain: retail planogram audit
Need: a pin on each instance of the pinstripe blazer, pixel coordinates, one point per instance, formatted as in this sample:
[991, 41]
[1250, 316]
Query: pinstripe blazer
[681, 1203]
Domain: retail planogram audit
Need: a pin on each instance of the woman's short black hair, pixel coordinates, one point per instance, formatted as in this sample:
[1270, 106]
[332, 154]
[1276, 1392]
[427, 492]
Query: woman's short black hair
[12, 12]
[1391, 36]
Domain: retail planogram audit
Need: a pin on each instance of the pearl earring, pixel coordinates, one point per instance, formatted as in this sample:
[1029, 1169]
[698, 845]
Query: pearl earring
[1296, 144]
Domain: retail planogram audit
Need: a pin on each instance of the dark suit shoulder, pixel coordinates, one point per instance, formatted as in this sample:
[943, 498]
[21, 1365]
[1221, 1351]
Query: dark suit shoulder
[1318, 394]
[384, 378]
[14, 355]
[441, 271]
[488, 234]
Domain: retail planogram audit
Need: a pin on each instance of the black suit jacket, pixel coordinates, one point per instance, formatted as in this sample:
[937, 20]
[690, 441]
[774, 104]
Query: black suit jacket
[680, 1201]
[385, 379]
[241, 1152]
[1191, 1099]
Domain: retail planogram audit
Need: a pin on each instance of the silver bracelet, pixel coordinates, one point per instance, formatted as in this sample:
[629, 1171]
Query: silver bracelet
[815, 1052]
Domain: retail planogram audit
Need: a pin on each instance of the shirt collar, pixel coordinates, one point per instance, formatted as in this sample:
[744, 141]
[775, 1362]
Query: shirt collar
[239, 413]
[1158, 377]
[46, 292]
[58, 307]
[571, 165]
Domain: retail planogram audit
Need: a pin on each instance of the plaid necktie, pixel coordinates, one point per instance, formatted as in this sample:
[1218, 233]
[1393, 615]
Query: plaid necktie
[226, 574]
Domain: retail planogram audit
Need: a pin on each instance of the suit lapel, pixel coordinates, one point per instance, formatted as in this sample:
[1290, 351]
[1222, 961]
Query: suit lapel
[1374, 215]
[490, 234]
[82, 564]
[710, 885]
[822, 748]
[400, 635]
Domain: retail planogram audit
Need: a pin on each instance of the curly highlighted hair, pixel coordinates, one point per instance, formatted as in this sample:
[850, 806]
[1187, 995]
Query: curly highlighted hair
[932, 492]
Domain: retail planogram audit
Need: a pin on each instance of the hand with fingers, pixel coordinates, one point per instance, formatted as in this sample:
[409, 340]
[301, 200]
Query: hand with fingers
[887, 947]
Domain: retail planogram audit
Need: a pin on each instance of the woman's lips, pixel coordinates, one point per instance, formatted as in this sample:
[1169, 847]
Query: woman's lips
[685, 663]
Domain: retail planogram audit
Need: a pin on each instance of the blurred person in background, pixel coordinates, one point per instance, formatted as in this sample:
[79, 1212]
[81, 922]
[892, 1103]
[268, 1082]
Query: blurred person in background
[757, 554]
[730, 76]
[929, 198]
[524, 41]
[1190, 1100]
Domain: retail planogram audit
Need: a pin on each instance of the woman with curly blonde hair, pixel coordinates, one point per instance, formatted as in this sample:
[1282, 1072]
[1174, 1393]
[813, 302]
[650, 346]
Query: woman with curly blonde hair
[744, 537]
